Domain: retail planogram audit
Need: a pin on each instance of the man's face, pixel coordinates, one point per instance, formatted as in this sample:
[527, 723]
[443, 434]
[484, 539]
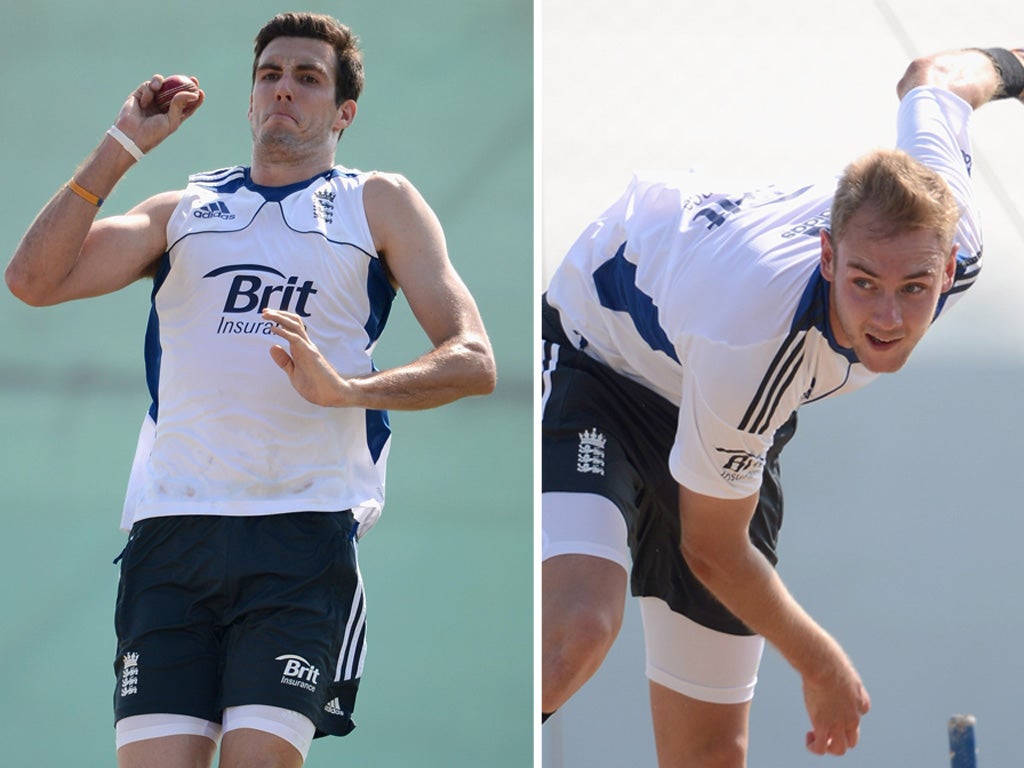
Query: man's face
[292, 101]
[884, 292]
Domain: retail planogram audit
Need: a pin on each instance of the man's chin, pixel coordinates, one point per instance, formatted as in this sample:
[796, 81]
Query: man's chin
[882, 362]
[276, 141]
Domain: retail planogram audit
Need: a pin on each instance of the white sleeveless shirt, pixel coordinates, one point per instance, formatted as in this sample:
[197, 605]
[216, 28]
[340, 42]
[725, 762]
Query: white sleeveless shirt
[226, 433]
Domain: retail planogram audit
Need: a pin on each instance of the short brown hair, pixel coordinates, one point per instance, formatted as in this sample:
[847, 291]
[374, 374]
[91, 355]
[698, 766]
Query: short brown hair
[905, 194]
[349, 74]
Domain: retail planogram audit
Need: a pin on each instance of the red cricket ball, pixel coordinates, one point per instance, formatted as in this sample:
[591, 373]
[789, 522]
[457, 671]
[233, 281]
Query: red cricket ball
[172, 86]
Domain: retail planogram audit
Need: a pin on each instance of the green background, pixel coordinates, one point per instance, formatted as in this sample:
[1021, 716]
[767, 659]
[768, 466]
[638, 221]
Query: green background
[448, 569]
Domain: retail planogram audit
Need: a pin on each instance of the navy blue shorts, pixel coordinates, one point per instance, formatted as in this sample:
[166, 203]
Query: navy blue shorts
[215, 612]
[639, 427]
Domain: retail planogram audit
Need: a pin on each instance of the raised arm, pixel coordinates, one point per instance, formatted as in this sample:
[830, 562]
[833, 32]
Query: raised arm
[410, 240]
[716, 545]
[977, 76]
[67, 253]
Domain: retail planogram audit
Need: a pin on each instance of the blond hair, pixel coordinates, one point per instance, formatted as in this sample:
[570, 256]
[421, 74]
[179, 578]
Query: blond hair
[903, 194]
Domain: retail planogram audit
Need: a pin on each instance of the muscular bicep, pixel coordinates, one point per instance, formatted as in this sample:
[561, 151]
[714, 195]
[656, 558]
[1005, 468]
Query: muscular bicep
[411, 242]
[121, 249]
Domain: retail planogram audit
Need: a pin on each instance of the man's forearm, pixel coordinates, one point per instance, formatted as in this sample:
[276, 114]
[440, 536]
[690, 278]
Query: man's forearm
[750, 587]
[460, 366]
[747, 584]
[455, 369]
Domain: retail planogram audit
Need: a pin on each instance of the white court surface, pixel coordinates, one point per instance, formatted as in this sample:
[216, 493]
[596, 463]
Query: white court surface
[902, 503]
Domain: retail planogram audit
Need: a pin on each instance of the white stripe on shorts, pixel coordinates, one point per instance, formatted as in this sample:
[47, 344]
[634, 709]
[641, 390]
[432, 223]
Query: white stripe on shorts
[549, 363]
[353, 647]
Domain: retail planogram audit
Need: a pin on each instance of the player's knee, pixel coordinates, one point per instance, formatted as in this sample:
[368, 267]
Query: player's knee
[249, 748]
[723, 752]
[575, 648]
[588, 630]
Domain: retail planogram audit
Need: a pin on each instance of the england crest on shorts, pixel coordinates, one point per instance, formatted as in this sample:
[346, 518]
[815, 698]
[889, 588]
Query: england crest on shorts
[129, 674]
[590, 455]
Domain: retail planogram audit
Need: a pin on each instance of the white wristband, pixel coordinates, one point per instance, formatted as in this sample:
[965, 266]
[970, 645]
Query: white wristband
[130, 146]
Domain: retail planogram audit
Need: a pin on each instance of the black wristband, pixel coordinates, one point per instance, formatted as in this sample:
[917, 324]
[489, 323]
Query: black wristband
[1010, 72]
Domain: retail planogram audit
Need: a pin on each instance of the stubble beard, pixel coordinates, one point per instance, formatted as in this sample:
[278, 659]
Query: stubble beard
[283, 147]
[277, 145]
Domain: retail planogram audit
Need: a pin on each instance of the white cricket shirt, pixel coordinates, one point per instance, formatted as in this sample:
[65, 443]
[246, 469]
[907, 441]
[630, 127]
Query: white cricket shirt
[716, 300]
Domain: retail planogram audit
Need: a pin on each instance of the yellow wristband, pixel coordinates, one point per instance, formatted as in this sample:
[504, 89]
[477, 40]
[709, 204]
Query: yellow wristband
[84, 193]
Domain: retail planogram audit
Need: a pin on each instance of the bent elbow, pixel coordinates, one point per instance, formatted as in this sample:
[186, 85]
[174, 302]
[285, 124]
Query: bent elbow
[699, 560]
[485, 385]
[21, 287]
[480, 376]
[710, 559]
[486, 378]
[489, 385]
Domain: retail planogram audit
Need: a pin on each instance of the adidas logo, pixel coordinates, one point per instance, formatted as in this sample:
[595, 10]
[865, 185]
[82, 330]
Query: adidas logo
[333, 707]
[217, 210]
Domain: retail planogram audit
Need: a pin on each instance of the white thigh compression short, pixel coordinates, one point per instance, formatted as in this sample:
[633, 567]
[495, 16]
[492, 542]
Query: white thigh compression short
[681, 655]
[291, 726]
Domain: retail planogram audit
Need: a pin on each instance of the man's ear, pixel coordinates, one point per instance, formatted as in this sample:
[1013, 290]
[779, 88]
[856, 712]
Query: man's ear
[346, 114]
[949, 272]
[828, 256]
